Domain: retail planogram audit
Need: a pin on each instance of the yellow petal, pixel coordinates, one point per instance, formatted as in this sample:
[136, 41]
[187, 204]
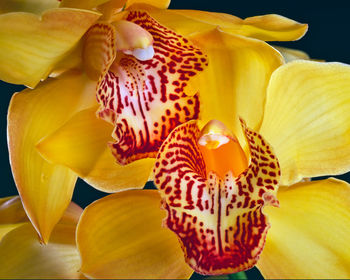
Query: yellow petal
[162, 4]
[273, 28]
[28, 53]
[11, 210]
[12, 214]
[307, 119]
[29, 6]
[267, 27]
[309, 236]
[292, 54]
[110, 9]
[45, 188]
[72, 60]
[71, 215]
[23, 256]
[239, 70]
[79, 4]
[81, 145]
[121, 236]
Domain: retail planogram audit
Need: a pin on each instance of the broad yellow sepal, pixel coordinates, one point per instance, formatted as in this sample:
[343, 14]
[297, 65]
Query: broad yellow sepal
[307, 119]
[31, 45]
[309, 236]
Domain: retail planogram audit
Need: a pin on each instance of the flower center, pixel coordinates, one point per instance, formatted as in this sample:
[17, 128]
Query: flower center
[221, 150]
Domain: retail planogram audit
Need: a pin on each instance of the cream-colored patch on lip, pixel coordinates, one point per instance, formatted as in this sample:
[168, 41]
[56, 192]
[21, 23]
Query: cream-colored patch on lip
[213, 141]
[141, 54]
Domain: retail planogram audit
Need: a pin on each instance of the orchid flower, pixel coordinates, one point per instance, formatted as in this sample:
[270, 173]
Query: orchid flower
[215, 190]
[146, 75]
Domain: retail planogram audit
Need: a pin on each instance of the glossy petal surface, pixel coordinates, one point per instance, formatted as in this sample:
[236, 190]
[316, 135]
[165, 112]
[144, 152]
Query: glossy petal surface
[45, 188]
[267, 27]
[27, 53]
[121, 236]
[29, 6]
[239, 70]
[309, 235]
[219, 221]
[81, 145]
[145, 100]
[307, 119]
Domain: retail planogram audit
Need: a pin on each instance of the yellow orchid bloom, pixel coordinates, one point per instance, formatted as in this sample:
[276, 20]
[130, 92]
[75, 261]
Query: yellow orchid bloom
[54, 135]
[215, 194]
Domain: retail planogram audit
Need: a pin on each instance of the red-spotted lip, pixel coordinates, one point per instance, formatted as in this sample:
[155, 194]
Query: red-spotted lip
[219, 221]
[146, 100]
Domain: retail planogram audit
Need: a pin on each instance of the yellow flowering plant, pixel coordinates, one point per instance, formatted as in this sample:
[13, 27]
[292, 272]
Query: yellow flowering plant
[198, 102]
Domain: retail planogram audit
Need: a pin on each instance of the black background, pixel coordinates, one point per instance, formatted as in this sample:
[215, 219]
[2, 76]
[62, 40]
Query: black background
[327, 39]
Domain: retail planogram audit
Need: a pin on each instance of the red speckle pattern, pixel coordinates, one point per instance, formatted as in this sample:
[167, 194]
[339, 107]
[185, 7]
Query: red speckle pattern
[146, 100]
[219, 221]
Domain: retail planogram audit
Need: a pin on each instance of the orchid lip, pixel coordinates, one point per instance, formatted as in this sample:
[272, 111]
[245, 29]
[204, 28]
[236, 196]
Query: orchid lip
[216, 214]
[145, 92]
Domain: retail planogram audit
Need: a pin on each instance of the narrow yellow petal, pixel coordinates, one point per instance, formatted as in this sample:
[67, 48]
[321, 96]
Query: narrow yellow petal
[307, 119]
[273, 28]
[309, 236]
[121, 236]
[239, 69]
[23, 256]
[267, 27]
[292, 54]
[31, 45]
[29, 6]
[81, 145]
[45, 188]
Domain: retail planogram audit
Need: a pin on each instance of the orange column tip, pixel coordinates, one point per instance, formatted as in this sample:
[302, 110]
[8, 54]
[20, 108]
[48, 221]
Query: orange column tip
[221, 150]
